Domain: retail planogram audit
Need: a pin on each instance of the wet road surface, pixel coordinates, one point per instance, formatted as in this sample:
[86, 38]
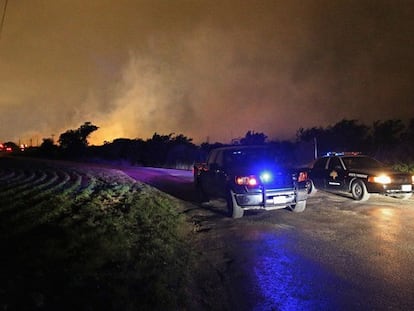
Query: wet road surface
[338, 254]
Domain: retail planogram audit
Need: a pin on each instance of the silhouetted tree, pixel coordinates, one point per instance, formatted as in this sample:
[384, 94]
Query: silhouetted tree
[406, 144]
[48, 148]
[156, 149]
[346, 135]
[349, 135]
[387, 133]
[252, 138]
[74, 142]
[180, 139]
[407, 137]
[317, 135]
[386, 136]
[390, 141]
[181, 152]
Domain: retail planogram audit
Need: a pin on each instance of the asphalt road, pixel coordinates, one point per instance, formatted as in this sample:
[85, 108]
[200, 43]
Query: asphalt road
[338, 254]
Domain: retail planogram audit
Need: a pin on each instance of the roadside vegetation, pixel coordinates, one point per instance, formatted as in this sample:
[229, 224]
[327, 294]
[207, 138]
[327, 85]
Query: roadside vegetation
[82, 238]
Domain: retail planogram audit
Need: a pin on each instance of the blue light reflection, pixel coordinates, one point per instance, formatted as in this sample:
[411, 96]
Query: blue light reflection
[287, 281]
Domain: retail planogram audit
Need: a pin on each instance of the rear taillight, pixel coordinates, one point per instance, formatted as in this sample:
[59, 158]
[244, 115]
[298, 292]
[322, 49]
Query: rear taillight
[247, 180]
[302, 176]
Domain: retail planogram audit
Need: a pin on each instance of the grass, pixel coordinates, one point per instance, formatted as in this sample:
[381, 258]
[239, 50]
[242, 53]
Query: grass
[86, 239]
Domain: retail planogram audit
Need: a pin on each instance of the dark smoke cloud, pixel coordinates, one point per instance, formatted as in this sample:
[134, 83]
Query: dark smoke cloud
[202, 68]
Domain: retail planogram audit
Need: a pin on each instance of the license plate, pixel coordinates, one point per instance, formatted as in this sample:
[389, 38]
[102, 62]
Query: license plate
[406, 187]
[279, 200]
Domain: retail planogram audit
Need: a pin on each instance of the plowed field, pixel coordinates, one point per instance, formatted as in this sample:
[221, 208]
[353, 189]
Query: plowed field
[86, 238]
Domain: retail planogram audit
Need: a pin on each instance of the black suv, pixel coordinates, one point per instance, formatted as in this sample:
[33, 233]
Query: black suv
[358, 175]
[250, 177]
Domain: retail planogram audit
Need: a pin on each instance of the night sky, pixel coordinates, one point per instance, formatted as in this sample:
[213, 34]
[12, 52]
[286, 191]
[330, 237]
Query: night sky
[203, 68]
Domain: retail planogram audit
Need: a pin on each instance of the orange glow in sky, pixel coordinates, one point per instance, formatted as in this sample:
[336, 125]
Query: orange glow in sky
[207, 69]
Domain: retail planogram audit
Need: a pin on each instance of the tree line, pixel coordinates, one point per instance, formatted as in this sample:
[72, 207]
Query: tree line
[391, 141]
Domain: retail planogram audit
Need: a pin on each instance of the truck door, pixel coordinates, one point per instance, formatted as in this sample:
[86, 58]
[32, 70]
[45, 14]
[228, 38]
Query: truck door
[220, 175]
[214, 181]
[207, 181]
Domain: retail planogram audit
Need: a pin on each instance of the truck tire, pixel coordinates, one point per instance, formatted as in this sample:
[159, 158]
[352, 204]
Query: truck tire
[359, 190]
[310, 186]
[298, 207]
[234, 210]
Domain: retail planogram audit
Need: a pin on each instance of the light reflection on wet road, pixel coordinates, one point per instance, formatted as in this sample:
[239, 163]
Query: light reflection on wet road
[345, 258]
[288, 281]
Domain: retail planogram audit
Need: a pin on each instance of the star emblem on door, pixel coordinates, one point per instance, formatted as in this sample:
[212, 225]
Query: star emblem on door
[333, 174]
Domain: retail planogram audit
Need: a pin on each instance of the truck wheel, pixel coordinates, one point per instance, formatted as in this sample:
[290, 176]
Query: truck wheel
[298, 207]
[310, 187]
[359, 191]
[234, 210]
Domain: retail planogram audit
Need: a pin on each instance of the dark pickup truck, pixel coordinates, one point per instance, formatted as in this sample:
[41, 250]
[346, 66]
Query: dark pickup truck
[250, 177]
